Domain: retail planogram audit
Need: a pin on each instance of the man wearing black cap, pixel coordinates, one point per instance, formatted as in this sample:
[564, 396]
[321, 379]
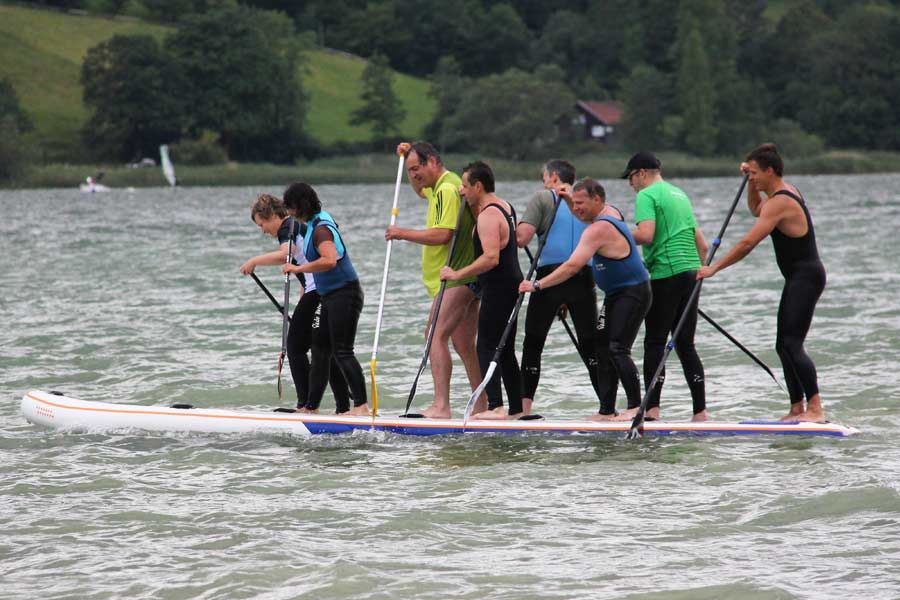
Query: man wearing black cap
[673, 248]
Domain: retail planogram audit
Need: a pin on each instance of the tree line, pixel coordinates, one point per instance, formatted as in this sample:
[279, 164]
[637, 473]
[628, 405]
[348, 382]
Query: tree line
[703, 76]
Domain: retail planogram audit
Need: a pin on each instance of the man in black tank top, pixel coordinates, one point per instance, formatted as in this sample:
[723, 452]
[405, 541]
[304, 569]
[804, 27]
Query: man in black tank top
[783, 215]
[497, 266]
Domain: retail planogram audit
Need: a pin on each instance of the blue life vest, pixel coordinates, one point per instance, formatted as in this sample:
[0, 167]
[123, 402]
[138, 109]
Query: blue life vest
[343, 273]
[563, 235]
[611, 274]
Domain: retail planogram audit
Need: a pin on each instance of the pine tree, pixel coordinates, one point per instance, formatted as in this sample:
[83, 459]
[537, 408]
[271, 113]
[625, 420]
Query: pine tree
[381, 107]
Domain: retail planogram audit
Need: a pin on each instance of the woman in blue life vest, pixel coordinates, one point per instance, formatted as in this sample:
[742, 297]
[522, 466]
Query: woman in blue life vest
[340, 293]
[269, 213]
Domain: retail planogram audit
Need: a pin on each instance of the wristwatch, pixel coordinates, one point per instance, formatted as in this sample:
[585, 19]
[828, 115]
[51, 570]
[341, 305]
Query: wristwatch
[536, 285]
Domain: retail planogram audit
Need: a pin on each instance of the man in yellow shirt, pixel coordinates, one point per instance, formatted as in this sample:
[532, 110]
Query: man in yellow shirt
[458, 317]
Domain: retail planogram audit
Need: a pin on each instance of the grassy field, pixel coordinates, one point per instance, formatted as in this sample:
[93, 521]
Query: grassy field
[41, 51]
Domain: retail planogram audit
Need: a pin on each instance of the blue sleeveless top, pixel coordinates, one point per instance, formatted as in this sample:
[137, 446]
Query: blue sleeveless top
[563, 235]
[340, 275]
[612, 274]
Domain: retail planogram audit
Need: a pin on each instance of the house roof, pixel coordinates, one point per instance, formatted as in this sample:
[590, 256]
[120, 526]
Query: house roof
[608, 112]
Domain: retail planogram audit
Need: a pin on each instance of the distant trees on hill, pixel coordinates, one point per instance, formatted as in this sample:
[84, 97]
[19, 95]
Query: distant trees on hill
[231, 71]
[704, 76]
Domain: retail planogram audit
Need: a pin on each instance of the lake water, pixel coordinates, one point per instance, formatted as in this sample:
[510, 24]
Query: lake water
[136, 297]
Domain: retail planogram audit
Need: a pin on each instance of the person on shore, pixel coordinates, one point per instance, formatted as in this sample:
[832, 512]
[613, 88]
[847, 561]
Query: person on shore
[674, 248]
[616, 268]
[496, 265]
[341, 297]
[783, 215]
[457, 319]
[270, 215]
[576, 295]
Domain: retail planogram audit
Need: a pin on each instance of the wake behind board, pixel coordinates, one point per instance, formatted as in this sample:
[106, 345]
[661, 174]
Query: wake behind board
[61, 412]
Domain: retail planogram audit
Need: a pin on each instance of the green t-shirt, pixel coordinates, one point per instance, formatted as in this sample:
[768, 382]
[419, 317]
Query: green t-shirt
[443, 210]
[673, 249]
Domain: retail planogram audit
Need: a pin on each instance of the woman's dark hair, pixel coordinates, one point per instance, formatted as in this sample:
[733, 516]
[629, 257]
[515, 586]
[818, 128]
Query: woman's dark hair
[480, 171]
[767, 156]
[302, 199]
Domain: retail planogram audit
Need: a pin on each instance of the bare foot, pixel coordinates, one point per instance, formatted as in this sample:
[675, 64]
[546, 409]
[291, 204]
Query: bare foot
[516, 416]
[600, 417]
[700, 416]
[652, 413]
[627, 415]
[812, 416]
[526, 406]
[498, 414]
[360, 411]
[308, 411]
[795, 413]
[436, 412]
[480, 405]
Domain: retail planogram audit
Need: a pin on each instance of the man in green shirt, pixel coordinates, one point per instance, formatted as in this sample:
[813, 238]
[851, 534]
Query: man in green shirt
[673, 248]
[458, 317]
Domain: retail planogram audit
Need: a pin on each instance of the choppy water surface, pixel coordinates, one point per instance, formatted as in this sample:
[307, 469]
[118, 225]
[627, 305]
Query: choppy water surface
[136, 297]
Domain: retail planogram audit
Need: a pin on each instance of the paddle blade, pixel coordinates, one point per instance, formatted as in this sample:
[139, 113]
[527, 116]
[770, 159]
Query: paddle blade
[471, 403]
[280, 365]
[374, 389]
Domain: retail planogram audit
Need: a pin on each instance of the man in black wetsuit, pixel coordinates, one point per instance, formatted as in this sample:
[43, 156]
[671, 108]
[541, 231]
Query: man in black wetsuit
[497, 266]
[783, 215]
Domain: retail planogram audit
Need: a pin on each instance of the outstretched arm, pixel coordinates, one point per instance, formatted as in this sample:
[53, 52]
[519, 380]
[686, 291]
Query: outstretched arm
[589, 243]
[771, 214]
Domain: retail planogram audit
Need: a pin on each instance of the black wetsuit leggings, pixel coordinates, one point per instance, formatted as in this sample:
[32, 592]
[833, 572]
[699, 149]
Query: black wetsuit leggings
[795, 312]
[304, 332]
[579, 295]
[624, 312]
[496, 306]
[670, 296]
[339, 318]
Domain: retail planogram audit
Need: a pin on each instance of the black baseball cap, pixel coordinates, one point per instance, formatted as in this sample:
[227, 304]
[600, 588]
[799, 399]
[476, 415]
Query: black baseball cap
[641, 160]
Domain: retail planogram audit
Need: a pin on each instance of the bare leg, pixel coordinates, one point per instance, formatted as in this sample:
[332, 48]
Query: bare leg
[456, 302]
[526, 405]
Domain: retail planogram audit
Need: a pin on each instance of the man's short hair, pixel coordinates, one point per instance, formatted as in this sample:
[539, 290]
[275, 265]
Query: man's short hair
[424, 151]
[562, 168]
[479, 171]
[767, 156]
[592, 187]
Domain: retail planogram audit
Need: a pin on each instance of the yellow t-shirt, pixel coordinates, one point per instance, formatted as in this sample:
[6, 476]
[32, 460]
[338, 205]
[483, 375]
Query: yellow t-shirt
[443, 211]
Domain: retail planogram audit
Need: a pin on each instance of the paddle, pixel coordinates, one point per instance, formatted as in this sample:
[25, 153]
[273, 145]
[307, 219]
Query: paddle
[384, 278]
[284, 311]
[730, 338]
[437, 311]
[638, 421]
[562, 317]
[532, 274]
[269, 294]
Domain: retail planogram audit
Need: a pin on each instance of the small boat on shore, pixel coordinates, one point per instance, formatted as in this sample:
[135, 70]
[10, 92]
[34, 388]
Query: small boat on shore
[55, 410]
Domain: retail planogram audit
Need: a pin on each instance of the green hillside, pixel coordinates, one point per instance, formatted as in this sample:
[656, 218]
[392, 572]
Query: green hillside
[41, 52]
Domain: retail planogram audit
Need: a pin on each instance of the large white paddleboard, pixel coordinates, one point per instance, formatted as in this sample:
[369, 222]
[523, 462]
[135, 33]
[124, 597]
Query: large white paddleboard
[61, 412]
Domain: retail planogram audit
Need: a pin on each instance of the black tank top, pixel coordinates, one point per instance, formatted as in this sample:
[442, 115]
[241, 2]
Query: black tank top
[790, 252]
[507, 270]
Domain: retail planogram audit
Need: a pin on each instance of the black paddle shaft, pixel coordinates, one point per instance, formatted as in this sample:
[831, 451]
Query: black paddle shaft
[269, 294]
[284, 311]
[638, 420]
[437, 308]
